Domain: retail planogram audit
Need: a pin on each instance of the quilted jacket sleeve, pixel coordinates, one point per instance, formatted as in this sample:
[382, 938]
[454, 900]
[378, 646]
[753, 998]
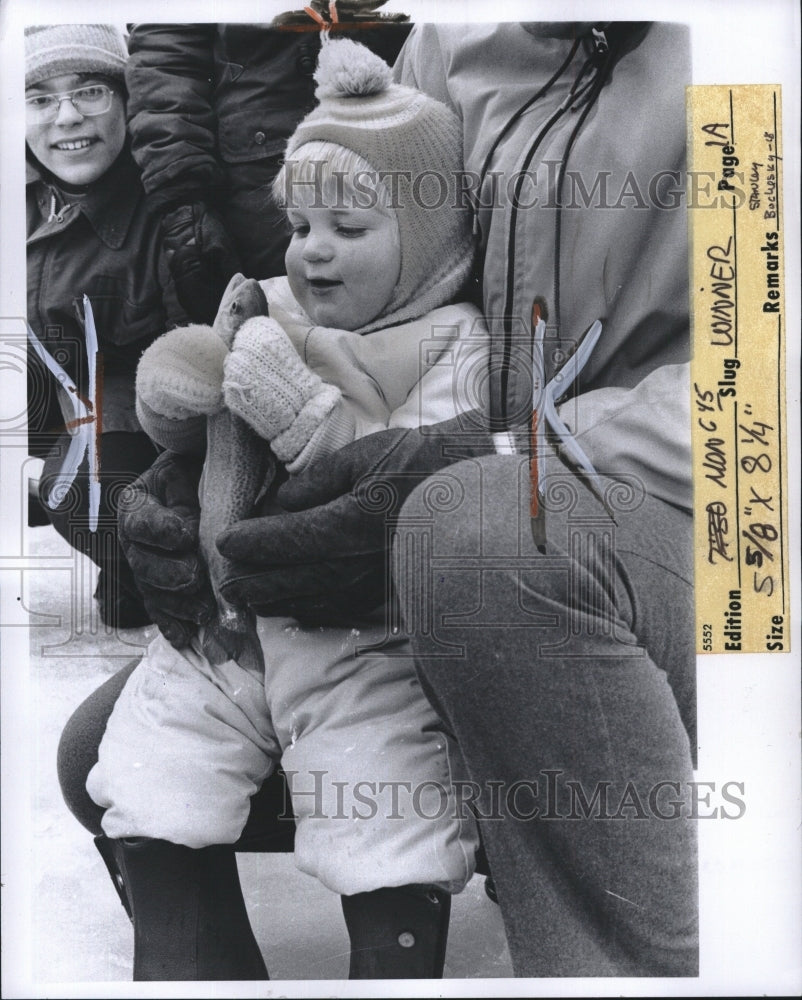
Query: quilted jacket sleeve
[171, 118]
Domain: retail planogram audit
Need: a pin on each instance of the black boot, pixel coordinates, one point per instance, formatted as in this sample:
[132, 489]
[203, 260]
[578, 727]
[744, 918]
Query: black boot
[190, 921]
[398, 933]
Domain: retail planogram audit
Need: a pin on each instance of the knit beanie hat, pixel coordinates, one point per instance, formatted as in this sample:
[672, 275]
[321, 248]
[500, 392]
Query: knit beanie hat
[414, 144]
[58, 49]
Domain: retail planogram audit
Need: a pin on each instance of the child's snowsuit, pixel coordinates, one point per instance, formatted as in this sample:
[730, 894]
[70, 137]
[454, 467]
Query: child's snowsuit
[188, 743]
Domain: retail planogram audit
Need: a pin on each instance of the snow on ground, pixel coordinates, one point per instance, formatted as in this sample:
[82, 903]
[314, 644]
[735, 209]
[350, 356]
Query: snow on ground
[79, 931]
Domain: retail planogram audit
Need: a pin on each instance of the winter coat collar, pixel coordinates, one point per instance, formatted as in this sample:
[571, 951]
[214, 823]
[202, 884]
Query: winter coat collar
[109, 204]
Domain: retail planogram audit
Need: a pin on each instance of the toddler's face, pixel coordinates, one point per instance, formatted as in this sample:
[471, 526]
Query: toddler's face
[77, 148]
[342, 263]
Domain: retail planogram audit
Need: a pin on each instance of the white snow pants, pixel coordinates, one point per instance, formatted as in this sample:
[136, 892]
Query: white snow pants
[367, 761]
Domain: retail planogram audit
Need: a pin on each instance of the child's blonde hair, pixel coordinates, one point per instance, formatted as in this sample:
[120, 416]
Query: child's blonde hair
[339, 177]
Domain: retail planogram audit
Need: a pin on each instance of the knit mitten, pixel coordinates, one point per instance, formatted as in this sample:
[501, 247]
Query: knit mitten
[181, 374]
[268, 385]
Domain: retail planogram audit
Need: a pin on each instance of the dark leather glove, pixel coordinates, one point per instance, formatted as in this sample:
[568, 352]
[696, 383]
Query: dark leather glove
[158, 528]
[327, 562]
[201, 258]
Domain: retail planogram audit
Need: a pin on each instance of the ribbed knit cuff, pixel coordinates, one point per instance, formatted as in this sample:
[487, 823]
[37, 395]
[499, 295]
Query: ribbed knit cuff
[338, 431]
[187, 437]
[290, 442]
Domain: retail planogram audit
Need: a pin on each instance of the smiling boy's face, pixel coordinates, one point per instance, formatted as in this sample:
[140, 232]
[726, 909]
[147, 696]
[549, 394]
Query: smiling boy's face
[77, 149]
[343, 263]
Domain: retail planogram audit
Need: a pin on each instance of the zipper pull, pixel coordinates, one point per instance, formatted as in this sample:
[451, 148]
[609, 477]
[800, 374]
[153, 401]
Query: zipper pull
[600, 43]
[56, 216]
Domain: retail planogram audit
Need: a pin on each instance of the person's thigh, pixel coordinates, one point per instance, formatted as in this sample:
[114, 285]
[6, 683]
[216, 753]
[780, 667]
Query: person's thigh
[124, 456]
[189, 742]
[270, 825]
[559, 675]
[78, 748]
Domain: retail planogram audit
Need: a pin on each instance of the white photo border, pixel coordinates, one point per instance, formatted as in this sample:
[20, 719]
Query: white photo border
[748, 706]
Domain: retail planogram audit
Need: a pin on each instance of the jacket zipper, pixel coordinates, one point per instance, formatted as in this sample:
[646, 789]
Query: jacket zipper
[574, 94]
[56, 216]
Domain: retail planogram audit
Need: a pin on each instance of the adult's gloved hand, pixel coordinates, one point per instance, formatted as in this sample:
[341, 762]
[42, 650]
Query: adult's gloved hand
[158, 529]
[328, 557]
[201, 258]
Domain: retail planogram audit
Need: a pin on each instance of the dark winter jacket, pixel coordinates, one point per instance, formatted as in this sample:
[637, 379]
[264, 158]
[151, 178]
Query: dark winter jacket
[105, 246]
[204, 97]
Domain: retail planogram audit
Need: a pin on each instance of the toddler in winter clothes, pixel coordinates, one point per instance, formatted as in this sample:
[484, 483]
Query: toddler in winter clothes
[362, 334]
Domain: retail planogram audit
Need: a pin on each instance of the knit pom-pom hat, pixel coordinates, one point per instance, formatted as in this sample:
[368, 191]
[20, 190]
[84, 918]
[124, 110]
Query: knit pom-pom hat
[58, 49]
[414, 144]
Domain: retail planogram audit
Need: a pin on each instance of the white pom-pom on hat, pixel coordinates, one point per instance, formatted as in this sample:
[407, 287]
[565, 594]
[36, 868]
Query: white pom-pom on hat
[348, 69]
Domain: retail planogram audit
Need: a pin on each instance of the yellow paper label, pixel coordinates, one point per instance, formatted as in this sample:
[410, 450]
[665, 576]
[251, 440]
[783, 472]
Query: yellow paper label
[738, 371]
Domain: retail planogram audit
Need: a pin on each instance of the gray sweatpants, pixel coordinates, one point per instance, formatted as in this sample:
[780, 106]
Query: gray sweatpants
[568, 681]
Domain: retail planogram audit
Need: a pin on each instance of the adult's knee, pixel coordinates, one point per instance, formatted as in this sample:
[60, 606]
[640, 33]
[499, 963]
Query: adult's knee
[455, 507]
[464, 536]
[78, 748]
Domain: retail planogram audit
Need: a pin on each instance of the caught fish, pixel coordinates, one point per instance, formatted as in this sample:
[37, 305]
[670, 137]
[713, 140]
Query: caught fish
[238, 469]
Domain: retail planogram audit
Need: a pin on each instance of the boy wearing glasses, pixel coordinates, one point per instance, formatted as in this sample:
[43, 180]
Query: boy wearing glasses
[88, 234]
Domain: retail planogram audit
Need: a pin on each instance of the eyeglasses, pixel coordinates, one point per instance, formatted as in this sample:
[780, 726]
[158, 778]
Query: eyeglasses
[89, 101]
